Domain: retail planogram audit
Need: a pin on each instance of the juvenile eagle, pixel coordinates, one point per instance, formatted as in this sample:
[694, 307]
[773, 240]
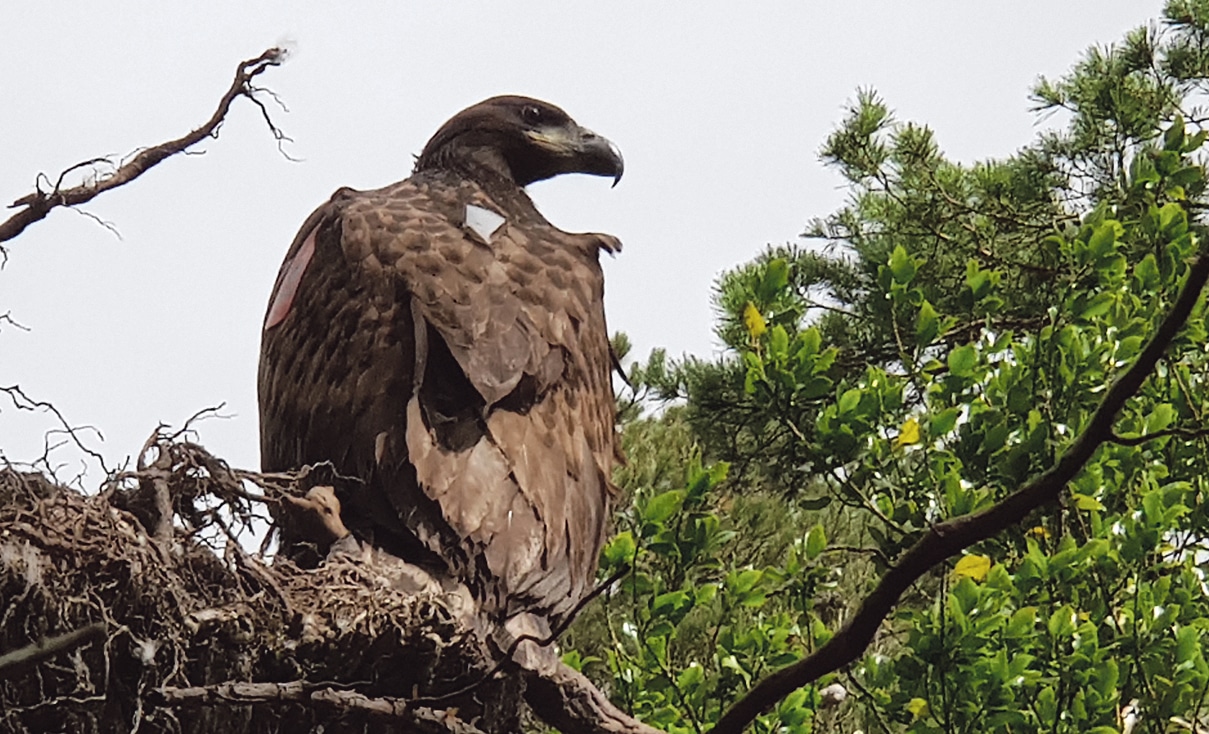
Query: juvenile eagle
[441, 341]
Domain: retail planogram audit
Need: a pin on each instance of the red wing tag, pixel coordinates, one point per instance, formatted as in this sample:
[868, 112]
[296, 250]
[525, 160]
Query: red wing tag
[287, 282]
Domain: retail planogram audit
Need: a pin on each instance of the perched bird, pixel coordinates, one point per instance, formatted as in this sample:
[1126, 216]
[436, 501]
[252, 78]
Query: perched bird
[440, 341]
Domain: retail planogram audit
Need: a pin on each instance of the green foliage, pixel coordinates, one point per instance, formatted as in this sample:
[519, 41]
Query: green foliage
[703, 613]
[949, 343]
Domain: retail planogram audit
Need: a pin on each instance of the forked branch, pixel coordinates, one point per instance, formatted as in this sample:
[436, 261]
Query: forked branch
[35, 206]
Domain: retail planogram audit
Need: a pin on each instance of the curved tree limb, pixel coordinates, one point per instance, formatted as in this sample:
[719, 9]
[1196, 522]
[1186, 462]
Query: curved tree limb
[952, 536]
[566, 700]
[19, 660]
[40, 203]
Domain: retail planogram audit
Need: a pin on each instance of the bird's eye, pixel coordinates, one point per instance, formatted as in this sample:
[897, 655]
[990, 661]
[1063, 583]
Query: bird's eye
[531, 114]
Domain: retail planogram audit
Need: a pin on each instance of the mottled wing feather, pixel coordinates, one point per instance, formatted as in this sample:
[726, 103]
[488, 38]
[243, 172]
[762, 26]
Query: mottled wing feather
[396, 282]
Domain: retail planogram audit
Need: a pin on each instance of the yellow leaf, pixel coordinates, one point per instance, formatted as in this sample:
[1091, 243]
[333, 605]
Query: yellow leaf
[973, 567]
[918, 708]
[908, 434]
[1038, 532]
[1086, 502]
[754, 321]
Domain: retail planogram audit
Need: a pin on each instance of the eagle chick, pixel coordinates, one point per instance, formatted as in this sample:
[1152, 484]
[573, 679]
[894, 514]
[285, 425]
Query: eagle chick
[441, 342]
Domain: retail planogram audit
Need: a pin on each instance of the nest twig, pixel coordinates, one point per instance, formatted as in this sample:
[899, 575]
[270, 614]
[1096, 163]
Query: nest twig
[124, 609]
[186, 616]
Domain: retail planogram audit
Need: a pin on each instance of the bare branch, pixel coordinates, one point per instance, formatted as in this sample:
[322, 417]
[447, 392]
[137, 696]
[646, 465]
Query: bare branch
[322, 695]
[7, 318]
[40, 203]
[952, 536]
[23, 402]
[22, 658]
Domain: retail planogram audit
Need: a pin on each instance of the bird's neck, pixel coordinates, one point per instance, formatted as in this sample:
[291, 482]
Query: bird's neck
[488, 168]
[483, 164]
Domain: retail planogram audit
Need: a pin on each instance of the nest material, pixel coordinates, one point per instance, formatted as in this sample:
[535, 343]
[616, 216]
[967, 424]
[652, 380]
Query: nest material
[199, 635]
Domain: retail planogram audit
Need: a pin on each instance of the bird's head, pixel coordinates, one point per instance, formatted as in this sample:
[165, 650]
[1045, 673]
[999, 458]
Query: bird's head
[523, 139]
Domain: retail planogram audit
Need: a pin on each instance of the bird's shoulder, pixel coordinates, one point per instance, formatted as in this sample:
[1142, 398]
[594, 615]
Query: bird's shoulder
[501, 285]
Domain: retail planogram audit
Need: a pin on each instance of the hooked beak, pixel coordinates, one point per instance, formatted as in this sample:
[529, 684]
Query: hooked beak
[583, 150]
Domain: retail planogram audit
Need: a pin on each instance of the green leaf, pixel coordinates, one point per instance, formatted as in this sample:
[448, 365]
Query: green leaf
[962, 360]
[662, 506]
[776, 277]
[1046, 705]
[816, 541]
[811, 340]
[849, 400]
[943, 422]
[1105, 679]
[1173, 220]
[1173, 138]
[979, 281]
[816, 387]
[1129, 347]
[1062, 622]
[1196, 141]
[1087, 503]
[743, 581]
[902, 265]
[927, 326]
[690, 678]
[1103, 238]
[1147, 272]
[1187, 644]
[778, 341]
[1099, 305]
[620, 549]
[1187, 176]
[671, 604]
[1160, 417]
[1022, 622]
[816, 503]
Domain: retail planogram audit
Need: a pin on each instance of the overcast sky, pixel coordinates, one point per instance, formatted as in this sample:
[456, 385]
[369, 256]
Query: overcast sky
[719, 110]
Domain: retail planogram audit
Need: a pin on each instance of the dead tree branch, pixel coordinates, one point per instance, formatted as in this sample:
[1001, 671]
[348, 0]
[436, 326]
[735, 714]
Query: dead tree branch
[22, 658]
[40, 203]
[21, 401]
[394, 710]
[952, 536]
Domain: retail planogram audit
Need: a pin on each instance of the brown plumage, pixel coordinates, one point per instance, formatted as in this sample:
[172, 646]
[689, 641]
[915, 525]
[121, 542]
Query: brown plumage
[442, 342]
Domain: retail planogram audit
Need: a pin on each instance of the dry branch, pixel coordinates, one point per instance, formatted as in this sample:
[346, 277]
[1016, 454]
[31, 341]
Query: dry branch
[392, 710]
[22, 401]
[37, 205]
[952, 536]
[18, 660]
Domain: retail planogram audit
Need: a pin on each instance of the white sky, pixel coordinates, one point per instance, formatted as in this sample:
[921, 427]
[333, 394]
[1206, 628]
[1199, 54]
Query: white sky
[719, 110]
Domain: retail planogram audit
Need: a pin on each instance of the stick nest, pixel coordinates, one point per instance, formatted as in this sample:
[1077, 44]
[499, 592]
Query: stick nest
[179, 628]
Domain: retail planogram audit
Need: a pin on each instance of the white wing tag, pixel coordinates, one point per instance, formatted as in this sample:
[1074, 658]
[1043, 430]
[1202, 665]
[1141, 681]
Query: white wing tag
[482, 222]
